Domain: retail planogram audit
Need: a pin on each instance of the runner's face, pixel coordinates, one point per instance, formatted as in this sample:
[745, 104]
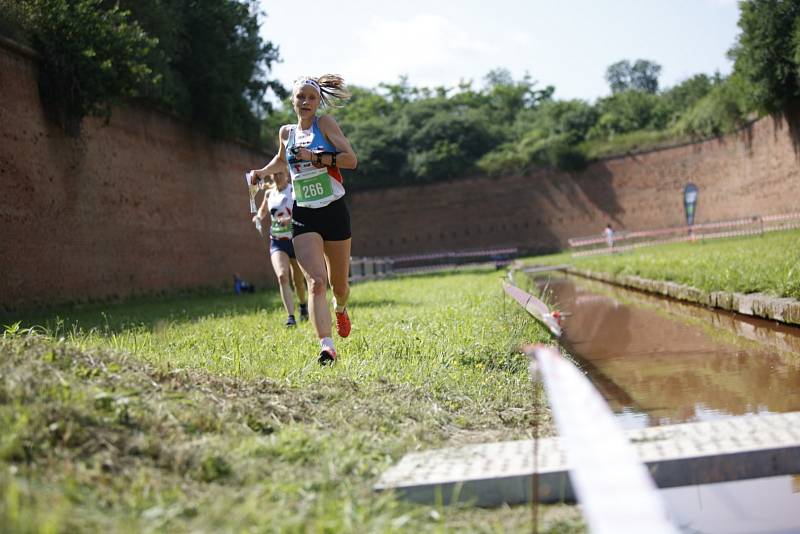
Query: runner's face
[306, 101]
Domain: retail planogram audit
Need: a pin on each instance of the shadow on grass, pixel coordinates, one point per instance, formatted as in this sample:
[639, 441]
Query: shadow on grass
[150, 313]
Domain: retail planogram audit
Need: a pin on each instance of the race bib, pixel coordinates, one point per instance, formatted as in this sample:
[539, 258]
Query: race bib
[278, 230]
[312, 188]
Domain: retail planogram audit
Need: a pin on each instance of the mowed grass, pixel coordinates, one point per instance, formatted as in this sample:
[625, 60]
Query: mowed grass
[208, 415]
[767, 264]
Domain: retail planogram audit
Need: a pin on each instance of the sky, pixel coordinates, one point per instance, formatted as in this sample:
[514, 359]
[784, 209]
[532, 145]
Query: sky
[564, 43]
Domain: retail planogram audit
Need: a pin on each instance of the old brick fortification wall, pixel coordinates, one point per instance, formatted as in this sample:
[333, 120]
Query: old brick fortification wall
[141, 205]
[753, 172]
[145, 204]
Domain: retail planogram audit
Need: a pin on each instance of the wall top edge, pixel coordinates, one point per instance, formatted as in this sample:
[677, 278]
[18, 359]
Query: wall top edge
[20, 49]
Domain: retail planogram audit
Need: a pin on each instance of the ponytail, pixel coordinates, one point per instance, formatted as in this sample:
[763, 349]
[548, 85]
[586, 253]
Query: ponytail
[331, 87]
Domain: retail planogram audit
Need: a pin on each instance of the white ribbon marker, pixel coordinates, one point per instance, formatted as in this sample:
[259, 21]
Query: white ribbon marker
[613, 486]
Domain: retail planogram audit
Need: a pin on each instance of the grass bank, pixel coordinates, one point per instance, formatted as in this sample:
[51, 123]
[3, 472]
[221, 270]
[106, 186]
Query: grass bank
[206, 414]
[766, 264]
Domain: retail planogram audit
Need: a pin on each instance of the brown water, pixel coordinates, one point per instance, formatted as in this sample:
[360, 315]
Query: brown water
[658, 361]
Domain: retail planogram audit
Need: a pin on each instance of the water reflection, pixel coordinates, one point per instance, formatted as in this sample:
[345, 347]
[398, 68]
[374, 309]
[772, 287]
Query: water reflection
[660, 361]
[764, 505]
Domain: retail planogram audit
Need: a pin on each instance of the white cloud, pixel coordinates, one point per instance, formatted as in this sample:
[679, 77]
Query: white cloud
[428, 48]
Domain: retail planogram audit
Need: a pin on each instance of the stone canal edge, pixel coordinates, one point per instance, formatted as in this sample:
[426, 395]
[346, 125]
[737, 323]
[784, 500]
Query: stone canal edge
[783, 309]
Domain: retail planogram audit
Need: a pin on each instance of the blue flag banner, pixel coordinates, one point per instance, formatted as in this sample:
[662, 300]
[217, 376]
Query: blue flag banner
[690, 202]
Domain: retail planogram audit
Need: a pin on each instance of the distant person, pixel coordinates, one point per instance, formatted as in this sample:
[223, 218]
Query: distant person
[315, 149]
[609, 235]
[278, 203]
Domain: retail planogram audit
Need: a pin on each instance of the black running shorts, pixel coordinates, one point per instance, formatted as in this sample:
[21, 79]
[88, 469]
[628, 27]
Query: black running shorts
[331, 222]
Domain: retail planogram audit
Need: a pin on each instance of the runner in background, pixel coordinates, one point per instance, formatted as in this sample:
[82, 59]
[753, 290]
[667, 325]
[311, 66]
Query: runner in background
[278, 203]
[609, 233]
[315, 149]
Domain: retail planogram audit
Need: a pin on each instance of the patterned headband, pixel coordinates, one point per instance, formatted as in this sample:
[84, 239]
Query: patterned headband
[310, 82]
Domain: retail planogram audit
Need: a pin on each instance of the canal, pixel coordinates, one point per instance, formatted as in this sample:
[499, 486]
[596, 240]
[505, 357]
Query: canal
[658, 361]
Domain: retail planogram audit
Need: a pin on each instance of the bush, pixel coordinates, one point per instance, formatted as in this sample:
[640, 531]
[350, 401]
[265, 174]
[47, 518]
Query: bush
[720, 112]
[92, 57]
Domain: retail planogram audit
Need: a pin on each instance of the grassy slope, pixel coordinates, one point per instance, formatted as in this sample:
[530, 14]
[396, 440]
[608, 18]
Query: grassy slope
[208, 415]
[768, 264]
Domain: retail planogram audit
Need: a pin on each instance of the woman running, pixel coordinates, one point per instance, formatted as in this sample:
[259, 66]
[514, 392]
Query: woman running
[315, 149]
[278, 203]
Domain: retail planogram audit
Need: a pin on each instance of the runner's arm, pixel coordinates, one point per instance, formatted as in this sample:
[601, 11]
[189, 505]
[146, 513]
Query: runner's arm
[262, 209]
[346, 156]
[278, 163]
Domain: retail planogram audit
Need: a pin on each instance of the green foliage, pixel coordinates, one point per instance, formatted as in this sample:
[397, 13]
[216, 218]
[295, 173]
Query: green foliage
[93, 57]
[446, 145]
[202, 60]
[549, 136]
[767, 51]
[677, 100]
[630, 142]
[625, 112]
[11, 22]
[719, 112]
[212, 63]
[406, 135]
[642, 75]
[226, 67]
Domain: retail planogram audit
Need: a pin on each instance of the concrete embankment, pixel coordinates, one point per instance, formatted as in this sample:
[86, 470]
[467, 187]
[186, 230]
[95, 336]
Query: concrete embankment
[785, 310]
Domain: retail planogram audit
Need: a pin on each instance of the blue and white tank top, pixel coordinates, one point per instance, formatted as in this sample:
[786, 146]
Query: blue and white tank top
[313, 187]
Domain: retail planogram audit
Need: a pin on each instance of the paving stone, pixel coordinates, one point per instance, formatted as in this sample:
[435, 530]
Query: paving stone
[676, 455]
[786, 310]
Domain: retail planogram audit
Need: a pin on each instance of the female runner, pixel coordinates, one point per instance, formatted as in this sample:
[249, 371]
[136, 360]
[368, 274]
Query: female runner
[278, 203]
[315, 149]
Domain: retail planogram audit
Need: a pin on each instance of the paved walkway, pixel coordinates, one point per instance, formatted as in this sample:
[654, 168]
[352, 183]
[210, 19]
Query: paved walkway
[677, 455]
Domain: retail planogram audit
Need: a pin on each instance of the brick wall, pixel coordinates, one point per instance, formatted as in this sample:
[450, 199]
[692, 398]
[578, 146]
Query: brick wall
[141, 205]
[146, 204]
[756, 171]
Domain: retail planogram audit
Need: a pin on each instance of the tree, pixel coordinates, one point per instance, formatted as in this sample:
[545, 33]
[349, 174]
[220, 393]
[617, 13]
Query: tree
[722, 110]
[202, 60]
[93, 57]
[644, 76]
[677, 100]
[767, 52]
[639, 76]
[618, 76]
[624, 112]
[224, 63]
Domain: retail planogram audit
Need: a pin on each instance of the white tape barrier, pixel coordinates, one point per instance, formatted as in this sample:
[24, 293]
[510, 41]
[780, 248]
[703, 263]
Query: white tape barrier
[682, 239]
[370, 268]
[535, 307]
[463, 254]
[628, 240]
[613, 486]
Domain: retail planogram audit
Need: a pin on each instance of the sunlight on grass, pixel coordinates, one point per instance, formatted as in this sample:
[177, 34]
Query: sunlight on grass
[208, 414]
[768, 264]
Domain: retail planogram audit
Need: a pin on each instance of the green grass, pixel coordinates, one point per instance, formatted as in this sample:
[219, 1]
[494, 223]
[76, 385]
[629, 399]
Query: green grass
[767, 264]
[637, 141]
[206, 414]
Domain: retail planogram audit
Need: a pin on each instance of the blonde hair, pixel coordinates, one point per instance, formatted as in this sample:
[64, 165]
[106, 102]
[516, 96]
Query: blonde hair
[331, 88]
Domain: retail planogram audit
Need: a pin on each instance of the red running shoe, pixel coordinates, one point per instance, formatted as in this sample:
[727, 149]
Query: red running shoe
[327, 357]
[343, 323]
